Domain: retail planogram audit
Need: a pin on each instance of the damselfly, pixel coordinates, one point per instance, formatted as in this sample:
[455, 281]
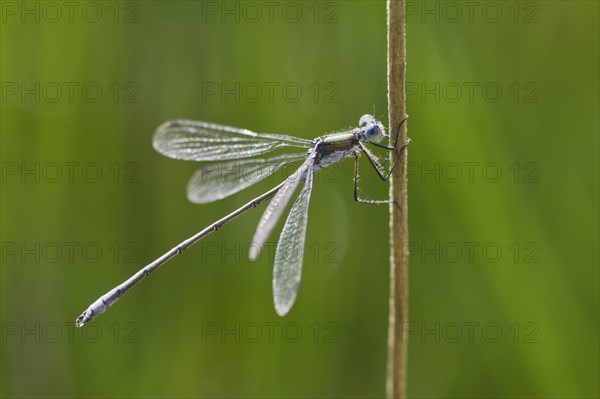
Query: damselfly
[206, 142]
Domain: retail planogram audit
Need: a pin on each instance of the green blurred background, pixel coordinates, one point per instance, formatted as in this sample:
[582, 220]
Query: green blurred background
[503, 195]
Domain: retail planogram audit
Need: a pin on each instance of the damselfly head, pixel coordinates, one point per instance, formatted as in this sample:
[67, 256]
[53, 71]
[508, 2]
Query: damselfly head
[366, 120]
[371, 129]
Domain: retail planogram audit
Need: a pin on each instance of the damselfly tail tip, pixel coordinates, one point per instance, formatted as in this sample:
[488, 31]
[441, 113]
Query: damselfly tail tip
[253, 252]
[84, 318]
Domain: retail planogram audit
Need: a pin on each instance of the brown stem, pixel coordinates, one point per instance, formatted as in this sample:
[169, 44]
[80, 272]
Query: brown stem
[398, 317]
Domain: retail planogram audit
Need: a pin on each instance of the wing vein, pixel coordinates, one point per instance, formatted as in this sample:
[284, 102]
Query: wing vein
[201, 141]
[287, 268]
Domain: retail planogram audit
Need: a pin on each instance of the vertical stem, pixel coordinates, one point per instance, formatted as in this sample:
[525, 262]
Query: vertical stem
[398, 317]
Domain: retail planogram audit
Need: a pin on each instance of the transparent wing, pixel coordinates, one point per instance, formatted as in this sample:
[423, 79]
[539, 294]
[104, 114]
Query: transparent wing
[287, 268]
[201, 141]
[277, 206]
[216, 181]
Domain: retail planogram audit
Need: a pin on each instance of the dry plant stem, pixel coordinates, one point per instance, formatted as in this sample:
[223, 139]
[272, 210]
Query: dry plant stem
[398, 317]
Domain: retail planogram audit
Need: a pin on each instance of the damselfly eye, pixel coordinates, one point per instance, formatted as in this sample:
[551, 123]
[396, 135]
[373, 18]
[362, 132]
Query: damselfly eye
[365, 120]
[373, 132]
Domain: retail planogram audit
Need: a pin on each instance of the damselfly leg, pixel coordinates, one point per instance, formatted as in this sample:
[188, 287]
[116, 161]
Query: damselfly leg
[378, 166]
